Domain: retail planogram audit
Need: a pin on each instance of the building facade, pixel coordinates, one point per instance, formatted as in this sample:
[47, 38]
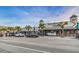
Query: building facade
[68, 30]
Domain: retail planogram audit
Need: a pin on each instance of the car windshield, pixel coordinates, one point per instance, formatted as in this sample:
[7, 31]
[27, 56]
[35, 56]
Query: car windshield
[33, 32]
[18, 33]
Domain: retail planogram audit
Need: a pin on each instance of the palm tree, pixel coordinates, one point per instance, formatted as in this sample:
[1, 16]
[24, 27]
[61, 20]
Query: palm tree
[28, 27]
[3, 30]
[62, 24]
[41, 26]
[73, 19]
[18, 28]
[10, 28]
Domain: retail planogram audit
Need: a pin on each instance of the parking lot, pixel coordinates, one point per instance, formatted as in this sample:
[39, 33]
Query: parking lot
[44, 44]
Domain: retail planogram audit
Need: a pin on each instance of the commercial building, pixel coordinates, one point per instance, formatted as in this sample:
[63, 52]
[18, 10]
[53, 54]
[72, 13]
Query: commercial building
[69, 29]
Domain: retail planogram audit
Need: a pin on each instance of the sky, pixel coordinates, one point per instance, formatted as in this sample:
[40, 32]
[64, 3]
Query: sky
[31, 15]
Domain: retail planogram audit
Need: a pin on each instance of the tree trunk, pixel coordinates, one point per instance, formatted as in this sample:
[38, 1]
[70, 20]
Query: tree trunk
[62, 32]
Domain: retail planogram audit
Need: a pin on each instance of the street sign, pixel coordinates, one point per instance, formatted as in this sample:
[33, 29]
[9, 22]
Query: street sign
[77, 26]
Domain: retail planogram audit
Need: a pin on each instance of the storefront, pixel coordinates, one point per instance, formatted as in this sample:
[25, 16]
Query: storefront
[68, 30]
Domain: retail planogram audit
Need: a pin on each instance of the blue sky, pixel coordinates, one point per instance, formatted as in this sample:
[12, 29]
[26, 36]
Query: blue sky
[30, 15]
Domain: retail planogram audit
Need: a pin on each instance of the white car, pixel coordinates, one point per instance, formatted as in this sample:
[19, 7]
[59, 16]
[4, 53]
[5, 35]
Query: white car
[51, 34]
[19, 35]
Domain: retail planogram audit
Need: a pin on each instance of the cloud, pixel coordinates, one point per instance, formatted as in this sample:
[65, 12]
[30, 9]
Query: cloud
[65, 16]
[32, 15]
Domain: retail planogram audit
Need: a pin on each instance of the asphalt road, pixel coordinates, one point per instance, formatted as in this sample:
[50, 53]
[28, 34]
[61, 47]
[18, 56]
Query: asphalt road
[44, 45]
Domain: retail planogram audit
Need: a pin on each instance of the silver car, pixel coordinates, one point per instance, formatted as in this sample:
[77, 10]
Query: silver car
[19, 35]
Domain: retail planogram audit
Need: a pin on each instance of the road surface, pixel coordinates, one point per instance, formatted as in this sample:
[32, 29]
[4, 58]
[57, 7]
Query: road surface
[38, 45]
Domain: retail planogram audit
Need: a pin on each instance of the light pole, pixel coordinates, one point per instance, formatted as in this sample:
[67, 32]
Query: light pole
[77, 27]
[34, 28]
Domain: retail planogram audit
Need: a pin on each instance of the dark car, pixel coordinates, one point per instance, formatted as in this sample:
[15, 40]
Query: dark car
[10, 34]
[1, 35]
[77, 34]
[31, 34]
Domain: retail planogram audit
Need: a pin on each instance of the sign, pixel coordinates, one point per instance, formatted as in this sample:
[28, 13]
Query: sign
[77, 26]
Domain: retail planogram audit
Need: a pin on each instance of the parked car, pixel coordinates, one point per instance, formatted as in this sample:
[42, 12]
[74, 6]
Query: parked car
[19, 35]
[51, 34]
[1, 35]
[31, 34]
[10, 34]
[77, 34]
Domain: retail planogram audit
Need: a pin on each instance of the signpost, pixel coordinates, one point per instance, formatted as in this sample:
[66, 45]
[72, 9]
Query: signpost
[77, 26]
